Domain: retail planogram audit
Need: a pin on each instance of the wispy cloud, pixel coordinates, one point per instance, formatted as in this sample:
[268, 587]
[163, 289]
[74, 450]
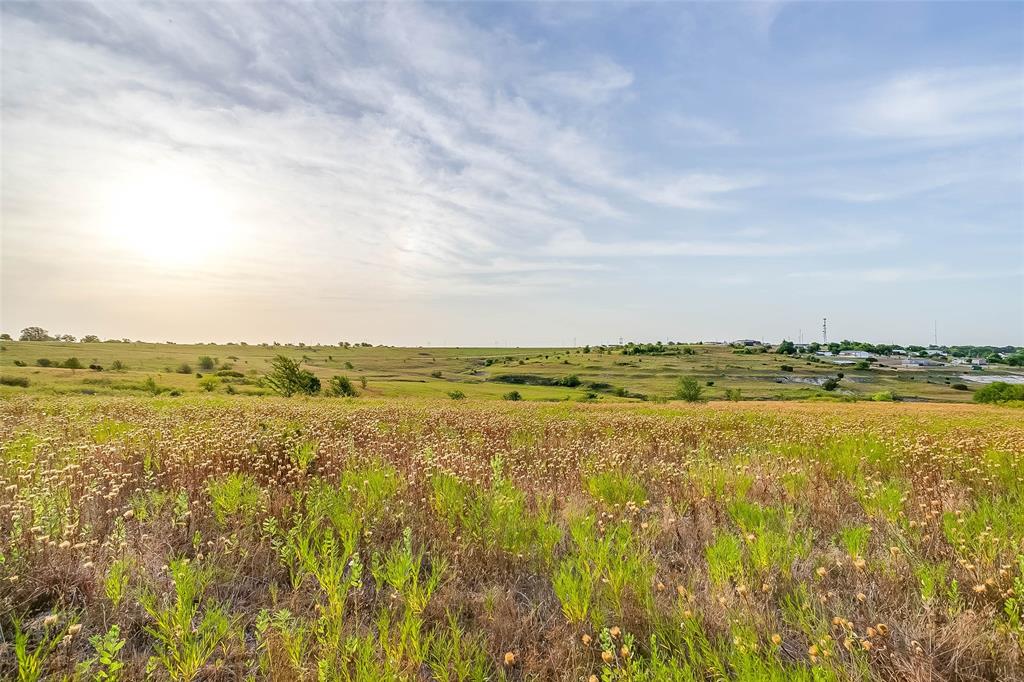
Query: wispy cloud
[951, 103]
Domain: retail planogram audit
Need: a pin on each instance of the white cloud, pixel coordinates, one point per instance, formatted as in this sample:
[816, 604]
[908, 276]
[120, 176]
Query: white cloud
[954, 103]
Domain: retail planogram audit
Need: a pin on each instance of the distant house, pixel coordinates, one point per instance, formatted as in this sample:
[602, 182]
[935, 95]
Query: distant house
[921, 362]
[748, 342]
[824, 353]
[935, 351]
[898, 351]
[844, 362]
[975, 362]
[860, 354]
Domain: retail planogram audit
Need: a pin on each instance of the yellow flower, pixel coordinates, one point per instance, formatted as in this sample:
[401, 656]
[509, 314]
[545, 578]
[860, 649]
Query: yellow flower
[510, 658]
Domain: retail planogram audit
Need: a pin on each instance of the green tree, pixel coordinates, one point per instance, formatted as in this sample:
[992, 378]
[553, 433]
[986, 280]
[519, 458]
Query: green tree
[342, 387]
[72, 363]
[287, 378]
[787, 347]
[206, 363]
[999, 392]
[34, 334]
[689, 389]
[512, 395]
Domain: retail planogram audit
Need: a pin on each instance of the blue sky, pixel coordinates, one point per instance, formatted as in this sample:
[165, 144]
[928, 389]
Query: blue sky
[521, 173]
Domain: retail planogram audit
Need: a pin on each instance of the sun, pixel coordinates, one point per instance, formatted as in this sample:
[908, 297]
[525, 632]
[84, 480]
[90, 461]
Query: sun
[171, 218]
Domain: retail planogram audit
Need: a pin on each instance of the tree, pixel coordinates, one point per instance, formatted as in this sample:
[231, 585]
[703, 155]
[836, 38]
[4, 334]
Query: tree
[342, 387]
[206, 363]
[5, 337]
[287, 378]
[72, 363]
[830, 384]
[90, 338]
[999, 392]
[689, 389]
[787, 347]
[34, 334]
[512, 395]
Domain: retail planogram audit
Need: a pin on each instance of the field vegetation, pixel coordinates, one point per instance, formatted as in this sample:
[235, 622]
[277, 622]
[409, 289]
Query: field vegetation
[216, 537]
[631, 372]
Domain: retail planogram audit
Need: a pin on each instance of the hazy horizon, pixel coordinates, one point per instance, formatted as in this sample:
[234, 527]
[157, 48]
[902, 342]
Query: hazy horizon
[526, 174]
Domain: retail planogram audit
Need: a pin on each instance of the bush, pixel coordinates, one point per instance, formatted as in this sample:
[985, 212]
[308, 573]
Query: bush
[999, 392]
[208, 384]
[206, 363]
[44, 362]
[19, 363]
[184, 368]
[512, 395]
[572, 381]
[96, 368]
[456, 395]
[21, 382]
[959, 387]
[341, 387]
[831, 384]
[117, 365]
[689, 390]
[733, 394]
[787, 368]
[863, 364]
[72, 363]
[709, 383]
[287, 378]
[883, 397]
[437, 374]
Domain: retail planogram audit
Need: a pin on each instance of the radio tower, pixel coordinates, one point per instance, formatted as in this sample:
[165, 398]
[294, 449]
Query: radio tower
[824, 331]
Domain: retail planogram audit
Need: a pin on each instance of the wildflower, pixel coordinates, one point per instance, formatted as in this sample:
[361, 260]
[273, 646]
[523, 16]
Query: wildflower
[49, 620]
[75, 629]
[586, 640]
[882, 628]
[510, 658]
[776, 639]
[861, 597]
[624, 651]
[821, 571]
[866, 645]
[607, 656]
[615, 631]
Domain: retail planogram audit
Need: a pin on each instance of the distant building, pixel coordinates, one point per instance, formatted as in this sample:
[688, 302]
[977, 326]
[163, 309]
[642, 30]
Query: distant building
[935, 351]
[824, 353]
[854, 354]
[976, 362]
[921, 362]
[748, 342]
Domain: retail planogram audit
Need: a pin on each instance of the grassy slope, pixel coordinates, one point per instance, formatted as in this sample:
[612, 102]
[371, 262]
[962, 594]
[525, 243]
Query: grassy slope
[407, 372]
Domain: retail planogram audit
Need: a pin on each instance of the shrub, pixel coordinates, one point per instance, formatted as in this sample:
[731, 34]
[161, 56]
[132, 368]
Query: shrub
[512, 395]
[341, 387]
[44, 362]
[21, 382]
[96, 368]
[208, 384]
[437, 374]
[117, 365]
[206, 363]
[184, 368]
[959, 387]
[787, 368]
[72, 363]
[19, 363]
[999, 392]
[572, 381]
[863, 364]
[287, 378]
[456, 395]
[733, 394]
[689, 390]
[883, 397]
[830, 384]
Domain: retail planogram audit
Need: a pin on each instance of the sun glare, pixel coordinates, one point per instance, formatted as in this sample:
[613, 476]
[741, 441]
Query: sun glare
[169, 218]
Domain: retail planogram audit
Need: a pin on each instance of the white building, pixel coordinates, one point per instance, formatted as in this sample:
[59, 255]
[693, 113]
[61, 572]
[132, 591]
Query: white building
[921, 362]
[860, 354]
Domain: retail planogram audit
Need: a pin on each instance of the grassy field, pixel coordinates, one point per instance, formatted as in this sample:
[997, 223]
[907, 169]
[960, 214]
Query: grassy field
[226, 538]
[477, 372]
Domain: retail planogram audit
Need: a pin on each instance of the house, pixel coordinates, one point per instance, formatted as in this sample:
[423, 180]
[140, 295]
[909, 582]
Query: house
[975, 362]
[859, 354]
[935, 351]
[747, 342]
[920, 362]
[824, 353]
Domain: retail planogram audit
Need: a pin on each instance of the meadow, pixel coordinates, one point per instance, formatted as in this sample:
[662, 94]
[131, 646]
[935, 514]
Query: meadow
[215, 537]
[487, 373]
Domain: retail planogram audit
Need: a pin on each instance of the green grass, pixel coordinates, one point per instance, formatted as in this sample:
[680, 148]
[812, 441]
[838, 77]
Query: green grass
[475, 372]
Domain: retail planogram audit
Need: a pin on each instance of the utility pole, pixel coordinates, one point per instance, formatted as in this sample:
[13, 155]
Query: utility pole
[936, 333]
[824, 331]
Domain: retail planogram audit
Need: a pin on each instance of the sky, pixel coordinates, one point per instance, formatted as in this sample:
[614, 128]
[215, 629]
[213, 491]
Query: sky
[513, 174]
